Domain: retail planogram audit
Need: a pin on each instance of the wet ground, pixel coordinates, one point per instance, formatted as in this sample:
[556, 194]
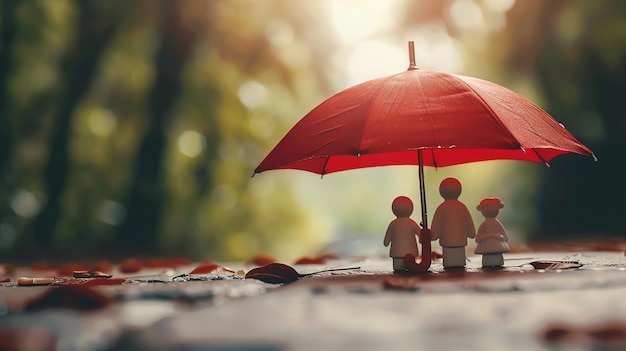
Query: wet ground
[531, 304]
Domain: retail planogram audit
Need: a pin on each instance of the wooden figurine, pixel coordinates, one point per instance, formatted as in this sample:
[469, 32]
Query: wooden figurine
[402, 233]
[452, 224]
[491, 236]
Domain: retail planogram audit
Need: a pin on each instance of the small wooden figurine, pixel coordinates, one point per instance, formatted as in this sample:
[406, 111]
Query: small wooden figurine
[452, 224]
[491, 236]
[402, 233]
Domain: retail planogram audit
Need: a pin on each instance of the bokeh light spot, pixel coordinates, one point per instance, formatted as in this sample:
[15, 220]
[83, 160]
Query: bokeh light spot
[252, 94]
[102, 122]
[466, 14]
[279, 33]
[112, 212]
[191, 143]
[499, 5]
[24, 203]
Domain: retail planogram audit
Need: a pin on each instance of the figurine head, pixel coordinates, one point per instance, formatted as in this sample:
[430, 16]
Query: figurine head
[490, 207]
[402, 206]
[450, 188]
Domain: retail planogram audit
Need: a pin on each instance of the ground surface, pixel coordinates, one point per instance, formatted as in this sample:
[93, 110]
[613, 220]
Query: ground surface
[521, 307]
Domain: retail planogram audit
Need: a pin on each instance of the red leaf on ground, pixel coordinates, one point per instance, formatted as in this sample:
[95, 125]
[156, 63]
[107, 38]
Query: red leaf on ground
[156, 263]
[206, 268]
[41, 266]
[76, 297]
[67, 269]
[558, 333]
[27, 338]
[274, 273]
[130, 266]
[261, 259]
[179, 261]
[209, 267]
[6, 269]
[102, 266]
[309, 260]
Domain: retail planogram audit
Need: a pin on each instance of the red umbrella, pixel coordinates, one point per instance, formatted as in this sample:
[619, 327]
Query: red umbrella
[420, 117]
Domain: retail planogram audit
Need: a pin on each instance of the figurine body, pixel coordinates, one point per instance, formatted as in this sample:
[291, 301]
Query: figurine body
[452, 224]
[491, 236]
[402, 233]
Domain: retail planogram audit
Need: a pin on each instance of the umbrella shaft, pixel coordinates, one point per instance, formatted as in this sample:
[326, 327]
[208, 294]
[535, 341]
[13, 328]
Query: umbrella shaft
[422, 190]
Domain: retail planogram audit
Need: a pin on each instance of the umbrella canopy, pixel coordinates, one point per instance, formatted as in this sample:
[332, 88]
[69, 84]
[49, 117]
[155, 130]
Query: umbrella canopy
[456, 119]
[420, 117]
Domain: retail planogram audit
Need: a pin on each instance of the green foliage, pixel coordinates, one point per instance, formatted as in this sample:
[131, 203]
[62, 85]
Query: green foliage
[212, 140]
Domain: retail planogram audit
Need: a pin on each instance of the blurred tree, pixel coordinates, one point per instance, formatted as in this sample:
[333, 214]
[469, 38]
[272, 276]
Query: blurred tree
[7, 38]
[147, 192]
[96, 24]
[576, 52]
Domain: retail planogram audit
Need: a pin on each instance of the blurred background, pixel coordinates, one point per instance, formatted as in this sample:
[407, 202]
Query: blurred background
[133, 127]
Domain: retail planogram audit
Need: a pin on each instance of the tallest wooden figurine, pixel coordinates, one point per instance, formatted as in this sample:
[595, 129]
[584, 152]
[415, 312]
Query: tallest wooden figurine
[452, 224]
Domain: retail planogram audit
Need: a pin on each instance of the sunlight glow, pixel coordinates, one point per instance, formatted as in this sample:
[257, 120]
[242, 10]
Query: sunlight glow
[372, 59]
[355, 20]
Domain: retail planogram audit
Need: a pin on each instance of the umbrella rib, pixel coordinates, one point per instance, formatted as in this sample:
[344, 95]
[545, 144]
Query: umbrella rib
[541, 158]
[324, 167]
[432, 152]
[430, 118]
[492, 114]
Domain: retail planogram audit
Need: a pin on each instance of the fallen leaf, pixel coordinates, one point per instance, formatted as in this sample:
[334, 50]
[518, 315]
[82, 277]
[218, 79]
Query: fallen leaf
[156, 263]
[27, 338]
[278, 273]
[554, 265]
[208, 268]
[558, 333]
[130, 266]
[309, 260]
[274, 273]
[609, 332]
[68, 269]
[261, 259]
[6, 269]
[102, 266]
[40, 266]
[401, 283]
[76, 297]
[179, 261]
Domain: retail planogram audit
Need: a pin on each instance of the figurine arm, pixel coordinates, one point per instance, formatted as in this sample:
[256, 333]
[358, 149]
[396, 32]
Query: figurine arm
[416, 228]
[503, 232]
[435, 225]
[388, 235]
[471, 230]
